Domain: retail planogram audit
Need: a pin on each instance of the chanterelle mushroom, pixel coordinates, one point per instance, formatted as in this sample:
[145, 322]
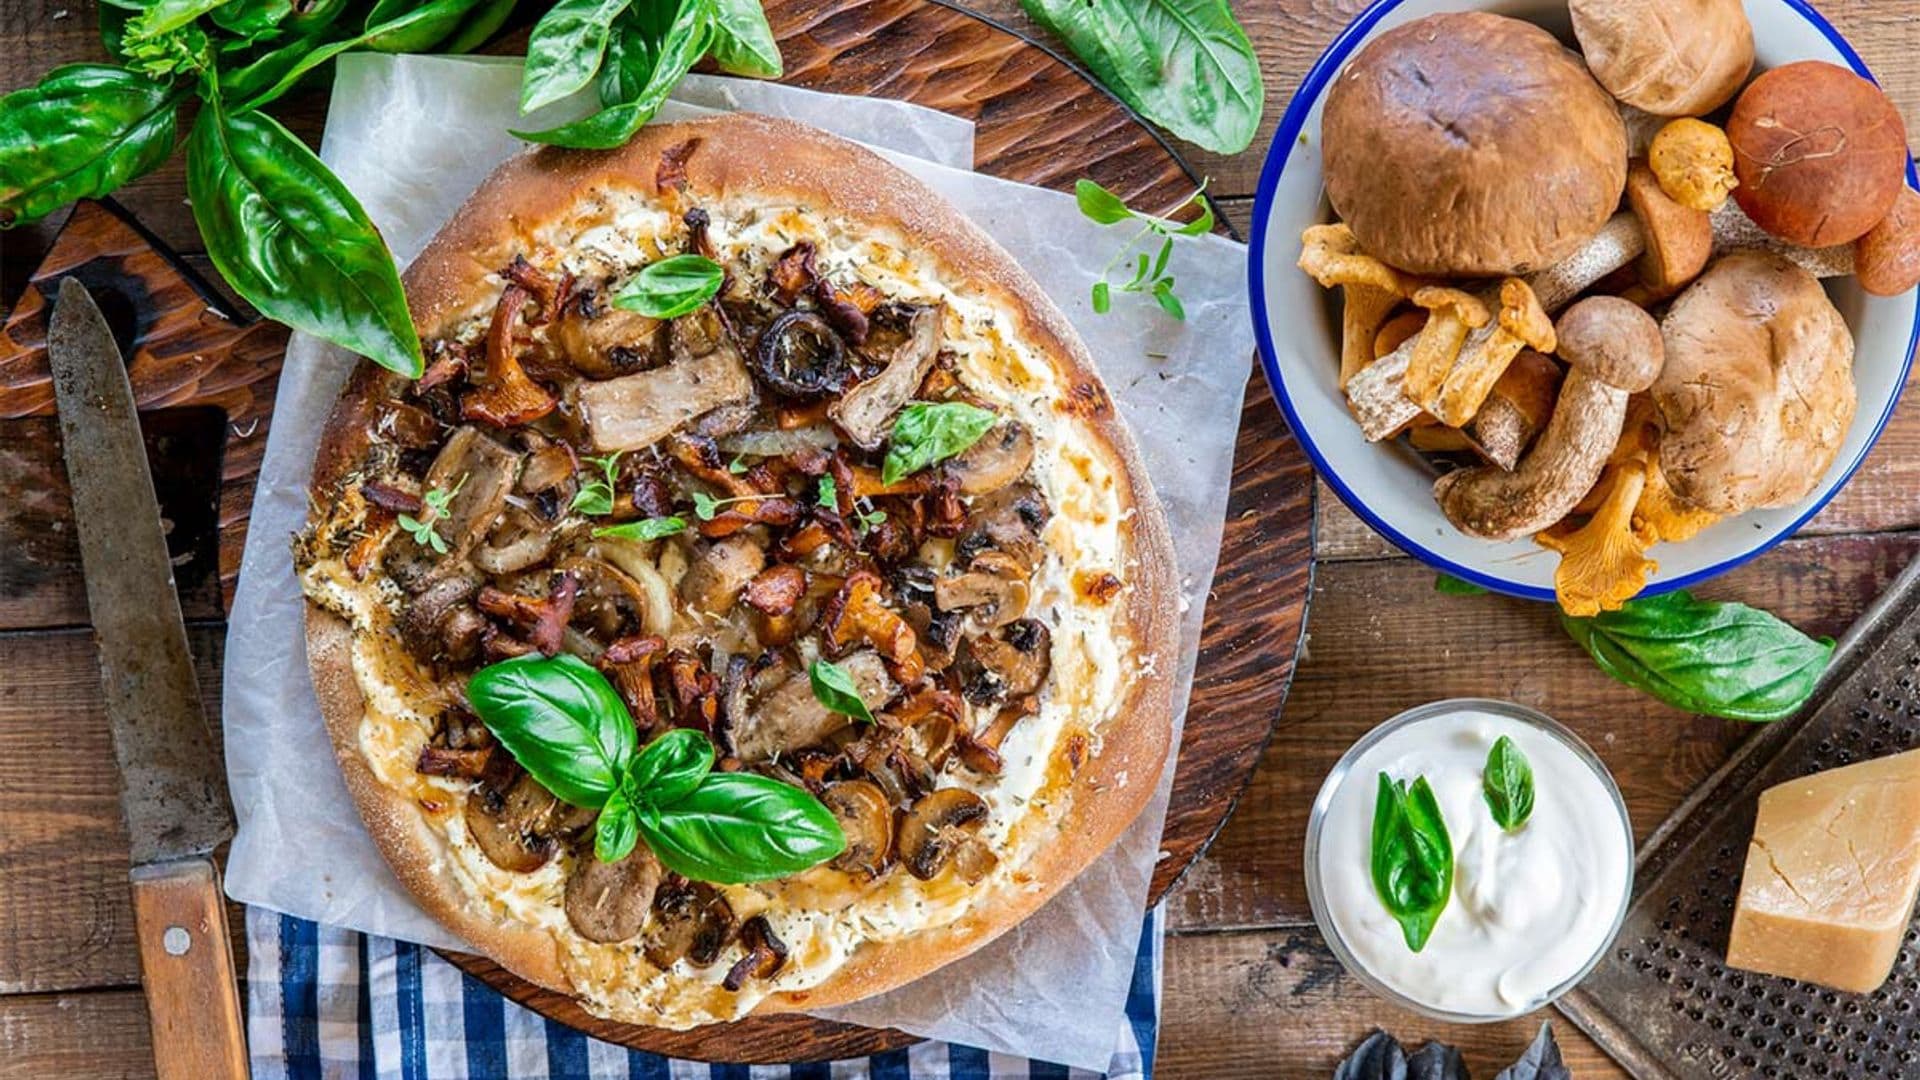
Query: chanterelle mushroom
[1614, 350]
[1758, 392]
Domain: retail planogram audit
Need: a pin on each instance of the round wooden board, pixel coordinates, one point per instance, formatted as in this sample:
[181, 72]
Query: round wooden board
[1042, 122]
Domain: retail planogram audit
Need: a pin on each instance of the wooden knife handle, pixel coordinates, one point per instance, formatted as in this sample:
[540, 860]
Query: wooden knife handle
[186, 961]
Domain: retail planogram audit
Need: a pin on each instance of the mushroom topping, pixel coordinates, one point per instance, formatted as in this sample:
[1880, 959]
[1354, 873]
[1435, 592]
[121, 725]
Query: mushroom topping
[506, 396]
[520, 539]
[544, 621]
[775, 590]
[1820, 153]
[1011, 665]
[866, 411]
[480, 473]
[789, 716]
[1758, 391]
[936, 826]
[613, 604]
[1614, 350]
[994, 590]
[800, 356]
[518, 829]
[608, 902]
[602, 341]
[866, 817]
[981, 751]
[426, 622]
[1009, 520]
[719, 572]
[628, 664]
[858, 613]
[766, 954]
[1001, 456]
[1471, 144]
[1666, 58]
[639, 410]
[691, 920]
[407, 425]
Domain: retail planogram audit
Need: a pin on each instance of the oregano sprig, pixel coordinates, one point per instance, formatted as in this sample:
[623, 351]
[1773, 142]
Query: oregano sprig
[1151, 272]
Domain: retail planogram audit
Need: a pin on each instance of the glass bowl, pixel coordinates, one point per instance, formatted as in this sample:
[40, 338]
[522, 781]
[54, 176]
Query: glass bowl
[1316, 892]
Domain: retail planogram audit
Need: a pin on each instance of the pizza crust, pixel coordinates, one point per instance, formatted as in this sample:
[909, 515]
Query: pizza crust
[782, 163]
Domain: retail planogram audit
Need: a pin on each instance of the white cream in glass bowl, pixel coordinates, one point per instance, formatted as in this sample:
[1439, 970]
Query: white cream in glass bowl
[1531, 911]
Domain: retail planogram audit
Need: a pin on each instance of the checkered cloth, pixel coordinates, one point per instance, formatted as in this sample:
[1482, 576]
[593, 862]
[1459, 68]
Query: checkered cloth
[329, 1003]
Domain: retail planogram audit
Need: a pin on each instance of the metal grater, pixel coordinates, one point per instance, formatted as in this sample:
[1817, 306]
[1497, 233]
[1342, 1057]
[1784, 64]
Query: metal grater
[1663, 1002]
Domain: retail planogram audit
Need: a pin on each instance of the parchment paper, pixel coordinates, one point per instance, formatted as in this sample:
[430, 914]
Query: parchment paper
[412, 137]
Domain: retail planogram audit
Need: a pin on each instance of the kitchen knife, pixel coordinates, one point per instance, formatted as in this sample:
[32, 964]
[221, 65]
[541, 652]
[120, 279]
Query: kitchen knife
[172, 790]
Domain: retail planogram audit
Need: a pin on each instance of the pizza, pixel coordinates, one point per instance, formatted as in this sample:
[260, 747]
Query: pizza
[848, 512]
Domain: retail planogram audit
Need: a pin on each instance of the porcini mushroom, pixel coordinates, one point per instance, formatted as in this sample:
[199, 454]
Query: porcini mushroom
[1679, 238]
[1758, 393]
[1614, 350]
[608, 902]
[1887, 259]
[1517, 410]
[1471, 144]
[1668, 57]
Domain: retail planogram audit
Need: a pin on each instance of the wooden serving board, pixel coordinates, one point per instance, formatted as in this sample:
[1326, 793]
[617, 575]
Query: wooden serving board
[1039, 121]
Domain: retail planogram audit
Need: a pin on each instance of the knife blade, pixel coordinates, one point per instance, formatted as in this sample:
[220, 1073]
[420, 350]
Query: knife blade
[172, 789]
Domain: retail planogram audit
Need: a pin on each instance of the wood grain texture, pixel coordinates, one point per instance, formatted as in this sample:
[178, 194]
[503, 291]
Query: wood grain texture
[100, 1035]
[186, 966]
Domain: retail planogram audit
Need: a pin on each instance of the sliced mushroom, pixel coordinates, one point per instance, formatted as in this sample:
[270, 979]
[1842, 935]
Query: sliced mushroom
[866, 817]
[935, 827]
[981, 751]
[719, 572]
[1013, 664]
[602, 341]
[790, 717]
[866, 411]
[1009, 519]
[519, 829]
[608, 902]
[1002, 456]
[636, 411]
[775, 590]
[479, 472]
[800, 356]
[994, 590]
[424, 618]
[520, 538]
[766, 954]
[611, 604]
[691, 921]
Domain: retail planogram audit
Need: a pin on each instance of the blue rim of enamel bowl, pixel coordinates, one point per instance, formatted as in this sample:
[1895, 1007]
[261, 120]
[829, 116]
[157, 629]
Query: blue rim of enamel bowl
[1287, 139]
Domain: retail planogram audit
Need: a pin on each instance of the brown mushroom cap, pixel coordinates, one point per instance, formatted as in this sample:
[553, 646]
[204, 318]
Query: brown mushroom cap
[1668, 57]
[1758, 393]
[1819, 151]
[1887, 259]
[1612, 339]
[1471, 144]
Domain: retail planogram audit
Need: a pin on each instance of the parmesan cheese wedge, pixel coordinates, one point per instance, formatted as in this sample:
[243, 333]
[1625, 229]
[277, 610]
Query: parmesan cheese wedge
[1831, 875]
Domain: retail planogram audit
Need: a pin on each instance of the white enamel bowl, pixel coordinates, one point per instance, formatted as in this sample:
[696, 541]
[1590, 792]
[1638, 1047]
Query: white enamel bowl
[1387, 485]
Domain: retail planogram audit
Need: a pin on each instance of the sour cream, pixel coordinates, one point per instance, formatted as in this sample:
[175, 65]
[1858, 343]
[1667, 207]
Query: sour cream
[1531, 911]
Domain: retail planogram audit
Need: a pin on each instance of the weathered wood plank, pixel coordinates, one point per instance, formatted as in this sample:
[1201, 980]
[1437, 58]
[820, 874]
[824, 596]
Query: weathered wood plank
[1276, 1003]
[96, 1036]
[1381, 641]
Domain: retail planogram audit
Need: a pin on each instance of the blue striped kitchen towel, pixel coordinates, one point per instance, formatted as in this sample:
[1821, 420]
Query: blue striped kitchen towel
[331, 1004]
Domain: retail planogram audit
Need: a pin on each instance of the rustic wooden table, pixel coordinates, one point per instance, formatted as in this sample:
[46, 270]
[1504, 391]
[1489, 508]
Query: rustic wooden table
[1250, 988]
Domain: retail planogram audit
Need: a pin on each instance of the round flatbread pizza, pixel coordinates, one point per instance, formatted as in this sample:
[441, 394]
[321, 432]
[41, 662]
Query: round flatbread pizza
[757, 603]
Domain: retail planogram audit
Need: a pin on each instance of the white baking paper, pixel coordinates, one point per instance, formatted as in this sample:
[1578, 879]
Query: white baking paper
[412, 137]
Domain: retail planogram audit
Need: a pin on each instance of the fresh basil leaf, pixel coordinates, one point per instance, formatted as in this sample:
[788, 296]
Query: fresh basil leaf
[315, 16]
[388, 31]
[670, 767]
[561, 720]
[617, 829]
[1726, 660]
[1183, 64]
[293, 241]
[645, 529]
[1099, 204]
[1507, 783]
[741, 827]
[162, 17]
[743, 42]
[683, 41]
[85, 130]
[631, 45]
[565, 50]
[480, 28]
[1412, 857]
[183, 52]
[1540, 1062]
[927, 433]
[1448, 585]
[252, 18]
[834, 688]
[280, 69]
[671, 287]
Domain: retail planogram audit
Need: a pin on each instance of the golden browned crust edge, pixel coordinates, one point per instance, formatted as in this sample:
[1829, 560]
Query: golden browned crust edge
[778, 160]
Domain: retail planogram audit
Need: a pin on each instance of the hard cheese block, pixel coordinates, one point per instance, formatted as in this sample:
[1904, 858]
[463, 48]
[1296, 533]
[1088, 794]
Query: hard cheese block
[1831, 875]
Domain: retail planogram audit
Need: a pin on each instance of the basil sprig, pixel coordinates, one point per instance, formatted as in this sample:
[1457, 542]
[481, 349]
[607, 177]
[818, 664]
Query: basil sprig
[927, 433]
[566, 725]
[1412, 857]
[1507, 783]
[671, 287]
[1719, 659]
